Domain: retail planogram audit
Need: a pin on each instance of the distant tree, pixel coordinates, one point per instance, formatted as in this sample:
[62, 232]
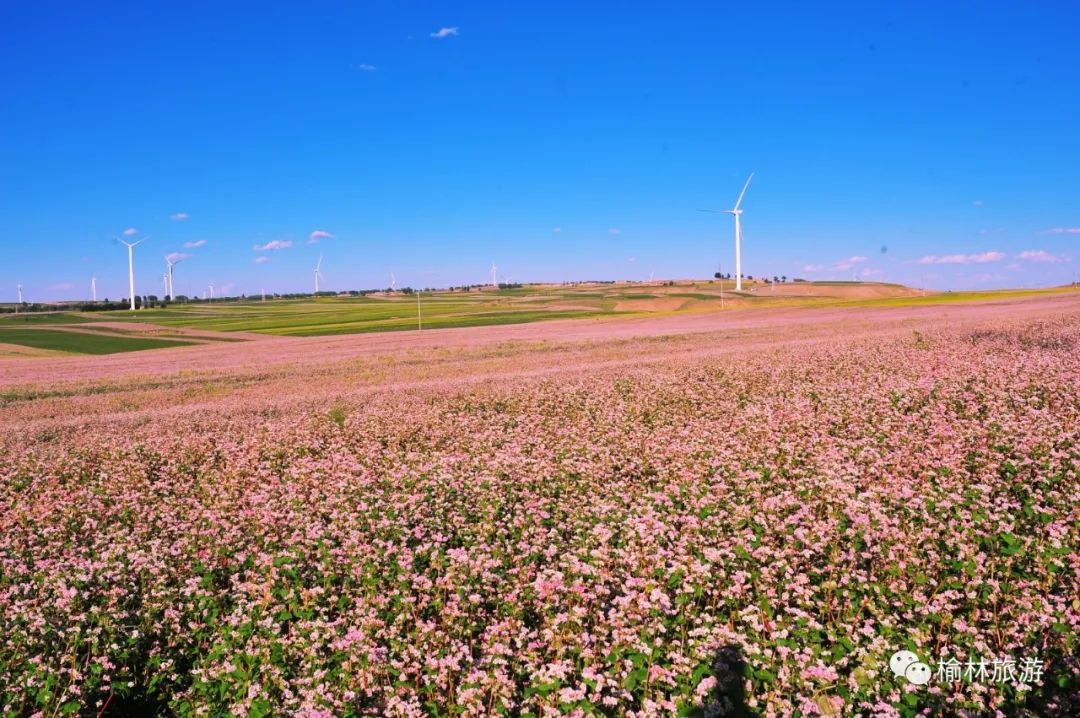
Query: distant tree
[783, 279]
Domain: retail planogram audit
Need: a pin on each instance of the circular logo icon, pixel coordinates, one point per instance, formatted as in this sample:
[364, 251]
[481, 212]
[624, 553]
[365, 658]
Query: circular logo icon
[918, 673]
[900, 661]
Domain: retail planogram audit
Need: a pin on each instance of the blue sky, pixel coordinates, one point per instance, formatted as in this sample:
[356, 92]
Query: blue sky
[927, 143]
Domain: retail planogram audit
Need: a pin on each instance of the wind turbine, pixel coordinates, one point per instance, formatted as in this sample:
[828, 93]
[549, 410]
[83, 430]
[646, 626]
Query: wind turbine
[19, 287]
[169, 282]
[93, 288]
[131, 267]
[494, 276]
[737, 213]
[393, 282]
[318, 274]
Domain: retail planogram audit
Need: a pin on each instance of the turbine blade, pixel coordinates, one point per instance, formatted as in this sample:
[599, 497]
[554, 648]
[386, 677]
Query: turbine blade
[739, 201]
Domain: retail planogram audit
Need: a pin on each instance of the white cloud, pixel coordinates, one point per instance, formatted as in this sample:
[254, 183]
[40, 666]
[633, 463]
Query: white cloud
[556, 230]
[982, 258]
[1038, 255]
[61, 286]
[813, 268]
[194, 245]
[177, 256]
[318, 234]
[130, 232]
[443, 32]
[273, 244]
[1063, 230]
[179, 216]
[848, 263]
[615, 230]
[366, 67]
[631, 259]
[870, 272]
[261, 260]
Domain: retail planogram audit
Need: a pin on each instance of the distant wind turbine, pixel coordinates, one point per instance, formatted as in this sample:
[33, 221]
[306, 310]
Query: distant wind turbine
[737, 213]
[393, 282]
[131, 267]
[494, 276]
[169, 283]
[93, 288]
[318, 274]
[19, 287]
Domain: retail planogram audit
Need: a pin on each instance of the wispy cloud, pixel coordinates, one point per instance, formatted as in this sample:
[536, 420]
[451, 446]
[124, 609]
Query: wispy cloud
[318, 234]
[848, 263]
[1063, 230]
[615, 230]
[977, 203]
[179, 216]
[365, 67]
[177, 256]
[195, 245]
[444, 32]
[273, 244]
[1038, 255]
[982, 258]
[556, 230]
[813, 268]
[631, 259]
[869, 272]
[130, 232]
[61, 286]
[261, 259]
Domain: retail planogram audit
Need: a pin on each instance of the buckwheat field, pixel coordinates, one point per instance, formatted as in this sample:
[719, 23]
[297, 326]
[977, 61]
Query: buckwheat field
[748, 522]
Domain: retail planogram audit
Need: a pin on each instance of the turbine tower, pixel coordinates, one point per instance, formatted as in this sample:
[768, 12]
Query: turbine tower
[318, 274]
[131, 267]
[19, 287]
[169, 281]
[393, 282]
[494, 276]
[737, 213]
[93, 288]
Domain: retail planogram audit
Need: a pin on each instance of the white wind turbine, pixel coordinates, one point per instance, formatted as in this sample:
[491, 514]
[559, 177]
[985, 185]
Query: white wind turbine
[93, 288]
[131, 267]
[19, 287]
[494, 275]
[170, 261]
[737, 213]
[318, 274]
[393, 282]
